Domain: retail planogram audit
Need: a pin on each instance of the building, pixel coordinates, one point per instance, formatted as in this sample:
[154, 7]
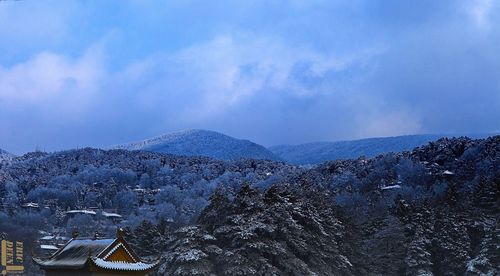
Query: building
[95, 257]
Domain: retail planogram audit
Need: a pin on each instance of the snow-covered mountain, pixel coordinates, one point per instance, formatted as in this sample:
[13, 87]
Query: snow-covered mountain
[435, 206]
[198, 142]
[315, 153]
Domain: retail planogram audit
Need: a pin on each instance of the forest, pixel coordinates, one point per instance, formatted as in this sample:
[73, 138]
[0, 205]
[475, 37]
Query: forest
[429, 211]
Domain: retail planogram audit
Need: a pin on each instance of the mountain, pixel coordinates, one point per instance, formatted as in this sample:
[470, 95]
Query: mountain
[430, 211]
[318, 152]
[137, 185]
[198, 142]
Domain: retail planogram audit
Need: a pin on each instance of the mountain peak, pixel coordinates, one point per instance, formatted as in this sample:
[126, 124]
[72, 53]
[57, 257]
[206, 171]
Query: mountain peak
[200, 142]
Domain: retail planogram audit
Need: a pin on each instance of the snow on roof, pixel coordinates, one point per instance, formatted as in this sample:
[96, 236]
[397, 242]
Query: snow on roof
[48, 247]
[47, 238]
[30, 205]
[78, 252]
[447, 172]
[87, 212]
[111, 215]
[391, 187]
[140, 266]
[116, 248]
[75, 253]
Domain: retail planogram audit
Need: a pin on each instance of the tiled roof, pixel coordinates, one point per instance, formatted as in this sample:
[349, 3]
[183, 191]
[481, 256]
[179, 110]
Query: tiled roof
[81, 253]
[75, 253]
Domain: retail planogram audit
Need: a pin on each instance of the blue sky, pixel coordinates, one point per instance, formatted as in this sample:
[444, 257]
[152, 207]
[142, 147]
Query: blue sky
[98, 73]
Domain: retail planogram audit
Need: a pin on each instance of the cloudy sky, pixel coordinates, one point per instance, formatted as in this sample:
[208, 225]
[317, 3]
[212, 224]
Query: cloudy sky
[99, 73]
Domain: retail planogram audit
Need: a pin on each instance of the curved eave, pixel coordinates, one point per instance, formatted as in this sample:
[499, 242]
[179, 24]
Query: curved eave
[124, 266]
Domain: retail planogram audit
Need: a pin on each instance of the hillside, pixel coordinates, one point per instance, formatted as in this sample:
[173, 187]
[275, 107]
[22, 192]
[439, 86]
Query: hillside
[202, 143]
[429, 211]
[37, 190]
[5, 156]
[318, 152]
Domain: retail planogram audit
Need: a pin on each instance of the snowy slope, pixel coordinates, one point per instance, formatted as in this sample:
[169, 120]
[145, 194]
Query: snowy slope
[5, 156]
[202, 143]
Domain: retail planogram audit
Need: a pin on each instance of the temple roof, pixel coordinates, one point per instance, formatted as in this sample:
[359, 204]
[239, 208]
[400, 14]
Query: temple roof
[75, 253]
[92, 254]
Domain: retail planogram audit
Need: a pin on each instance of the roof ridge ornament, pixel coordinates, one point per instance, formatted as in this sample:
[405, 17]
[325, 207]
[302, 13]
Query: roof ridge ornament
[120, 233]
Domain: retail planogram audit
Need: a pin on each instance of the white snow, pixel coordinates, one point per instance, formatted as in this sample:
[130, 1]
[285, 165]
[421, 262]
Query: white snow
[31, 205]
[208, 237]
[116, 248]
[86, 212]
[192, 255]
[48, 247]
[111, 215]
[391, 187]
[122, 265]
[5, 156]
[447, 172]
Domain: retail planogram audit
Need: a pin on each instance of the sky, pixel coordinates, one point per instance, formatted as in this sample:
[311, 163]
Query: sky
[99, 73]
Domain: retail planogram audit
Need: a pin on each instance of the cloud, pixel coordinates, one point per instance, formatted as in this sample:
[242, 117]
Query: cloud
[48, 100]
[47, 77]
[107, 72]
[388, 123]
[29, 26]
[480, 12]
[230, 69]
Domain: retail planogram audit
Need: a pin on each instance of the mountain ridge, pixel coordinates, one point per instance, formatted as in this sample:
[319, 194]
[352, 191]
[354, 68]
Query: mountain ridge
[314, 153]
[199, 142]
